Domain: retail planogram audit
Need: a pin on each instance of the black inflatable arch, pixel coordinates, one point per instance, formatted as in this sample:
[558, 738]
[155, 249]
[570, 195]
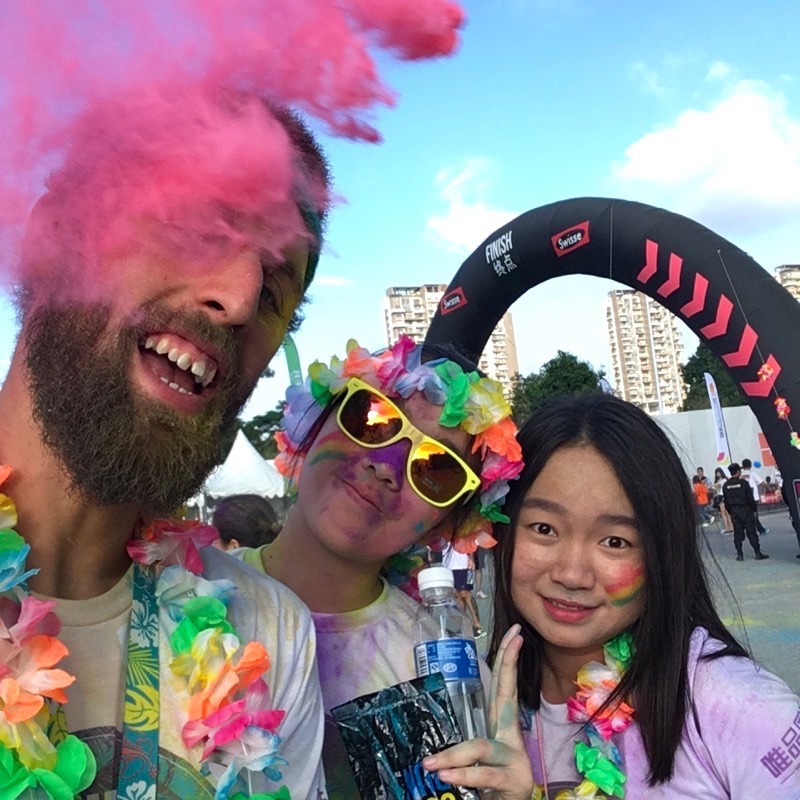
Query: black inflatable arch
[734, 306]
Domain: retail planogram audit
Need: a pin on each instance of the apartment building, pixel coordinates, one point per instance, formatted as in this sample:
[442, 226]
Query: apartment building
[788, 276]
[645, 352]
[410, 309]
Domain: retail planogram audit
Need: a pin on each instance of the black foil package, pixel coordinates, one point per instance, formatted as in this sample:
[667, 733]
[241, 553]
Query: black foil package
[388, 733]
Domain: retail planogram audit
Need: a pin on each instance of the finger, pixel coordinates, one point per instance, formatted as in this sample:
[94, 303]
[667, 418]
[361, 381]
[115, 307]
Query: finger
[485, 751]
[503, 697]
[509, 782]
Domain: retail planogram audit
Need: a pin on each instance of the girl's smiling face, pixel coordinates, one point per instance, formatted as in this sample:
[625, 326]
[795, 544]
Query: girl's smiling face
[356, 501]
[577, 571]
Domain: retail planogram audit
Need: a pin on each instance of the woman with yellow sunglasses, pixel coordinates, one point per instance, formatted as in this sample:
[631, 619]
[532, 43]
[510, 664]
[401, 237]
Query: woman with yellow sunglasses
[388, 453]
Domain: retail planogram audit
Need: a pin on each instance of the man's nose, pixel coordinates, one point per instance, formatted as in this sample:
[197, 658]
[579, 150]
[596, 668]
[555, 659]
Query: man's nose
[229, 292]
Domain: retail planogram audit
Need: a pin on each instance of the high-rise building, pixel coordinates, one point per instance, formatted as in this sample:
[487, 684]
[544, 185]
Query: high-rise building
[645, 352]
[788, 276]
[410, 309]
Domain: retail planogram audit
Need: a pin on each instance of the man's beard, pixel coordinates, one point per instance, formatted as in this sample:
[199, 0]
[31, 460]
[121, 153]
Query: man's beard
[118, 447]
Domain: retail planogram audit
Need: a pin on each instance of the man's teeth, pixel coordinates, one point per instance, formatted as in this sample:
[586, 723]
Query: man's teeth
[202, 372]
[175, 386]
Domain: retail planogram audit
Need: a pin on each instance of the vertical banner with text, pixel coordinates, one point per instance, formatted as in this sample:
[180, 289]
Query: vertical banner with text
[723, 448]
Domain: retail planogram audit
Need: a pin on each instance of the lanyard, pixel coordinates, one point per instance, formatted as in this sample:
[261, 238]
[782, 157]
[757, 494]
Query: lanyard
[138, 770]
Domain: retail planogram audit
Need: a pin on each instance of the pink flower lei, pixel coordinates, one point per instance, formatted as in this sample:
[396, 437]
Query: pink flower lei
[599, 762]
[228, 710]
[470, 402]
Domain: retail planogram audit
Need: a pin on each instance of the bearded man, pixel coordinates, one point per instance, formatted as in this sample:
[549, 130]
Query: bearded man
[160, 273]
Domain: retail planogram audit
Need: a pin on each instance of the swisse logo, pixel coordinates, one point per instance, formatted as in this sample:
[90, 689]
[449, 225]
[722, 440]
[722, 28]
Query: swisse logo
[452, 300]
[571, 239]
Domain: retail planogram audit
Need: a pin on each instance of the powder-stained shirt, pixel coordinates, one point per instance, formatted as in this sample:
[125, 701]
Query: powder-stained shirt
[747, 744]
[360, 652]
[96, 633]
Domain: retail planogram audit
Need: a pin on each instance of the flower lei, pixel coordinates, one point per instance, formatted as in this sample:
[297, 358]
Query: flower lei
[599, 763]
[473, 403]
[228, 710]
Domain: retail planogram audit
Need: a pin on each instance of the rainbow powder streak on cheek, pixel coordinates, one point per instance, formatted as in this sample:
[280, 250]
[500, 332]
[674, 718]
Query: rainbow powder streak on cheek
[329, 448]
[627, 588]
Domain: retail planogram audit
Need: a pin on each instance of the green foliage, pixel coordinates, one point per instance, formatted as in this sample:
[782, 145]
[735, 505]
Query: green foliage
[563, 375]
[703, 361]
[261, 431]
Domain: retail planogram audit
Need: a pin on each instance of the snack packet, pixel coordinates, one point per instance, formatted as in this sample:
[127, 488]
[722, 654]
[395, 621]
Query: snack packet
[388, 733]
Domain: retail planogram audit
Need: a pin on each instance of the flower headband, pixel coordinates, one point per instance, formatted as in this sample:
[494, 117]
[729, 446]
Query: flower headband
[470, 402]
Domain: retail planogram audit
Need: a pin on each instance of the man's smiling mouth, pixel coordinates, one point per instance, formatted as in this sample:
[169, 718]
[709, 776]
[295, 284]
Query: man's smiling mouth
[178, 363]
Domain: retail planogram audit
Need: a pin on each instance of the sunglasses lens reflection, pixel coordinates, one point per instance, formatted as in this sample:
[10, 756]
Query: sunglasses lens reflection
[368, 418]
[436, 474]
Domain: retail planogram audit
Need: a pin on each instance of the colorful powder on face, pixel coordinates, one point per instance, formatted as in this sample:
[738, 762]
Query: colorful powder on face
[156, 108]
[328, 448]
[627, 588]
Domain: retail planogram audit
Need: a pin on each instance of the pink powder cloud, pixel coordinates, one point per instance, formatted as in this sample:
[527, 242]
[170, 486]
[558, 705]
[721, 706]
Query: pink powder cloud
[155, 108]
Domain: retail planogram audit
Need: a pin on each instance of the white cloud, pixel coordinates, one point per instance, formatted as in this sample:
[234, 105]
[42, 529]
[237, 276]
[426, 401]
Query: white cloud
[469, 219]
[719, 71]
[648, 78]
[332, 280]
[735, 165]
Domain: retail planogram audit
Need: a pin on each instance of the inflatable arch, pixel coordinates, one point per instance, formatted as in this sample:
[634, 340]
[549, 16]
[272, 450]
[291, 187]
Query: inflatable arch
[747, 319]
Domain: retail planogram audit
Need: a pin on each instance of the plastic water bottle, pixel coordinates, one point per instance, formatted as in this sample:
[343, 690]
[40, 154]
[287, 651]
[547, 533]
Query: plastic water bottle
[444, 644]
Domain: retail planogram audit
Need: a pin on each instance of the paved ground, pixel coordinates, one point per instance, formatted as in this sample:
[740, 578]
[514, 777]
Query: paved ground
[765, 610]
[758, 600]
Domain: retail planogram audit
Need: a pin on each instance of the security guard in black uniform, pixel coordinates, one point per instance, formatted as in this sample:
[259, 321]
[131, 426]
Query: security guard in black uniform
[742, 507]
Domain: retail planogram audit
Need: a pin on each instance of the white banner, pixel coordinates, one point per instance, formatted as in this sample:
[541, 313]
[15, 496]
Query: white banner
[723, 448]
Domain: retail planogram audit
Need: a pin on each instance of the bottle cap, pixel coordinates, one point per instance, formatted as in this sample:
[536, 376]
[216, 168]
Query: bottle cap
[435, 578]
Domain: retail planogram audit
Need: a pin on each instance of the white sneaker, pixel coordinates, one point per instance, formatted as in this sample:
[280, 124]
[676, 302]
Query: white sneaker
[482, 595]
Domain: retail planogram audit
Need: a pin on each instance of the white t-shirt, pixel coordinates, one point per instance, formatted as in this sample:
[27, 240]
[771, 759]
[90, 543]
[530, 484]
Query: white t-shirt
[452, 559]
[754, 479]
[263, 610]
[747, 747]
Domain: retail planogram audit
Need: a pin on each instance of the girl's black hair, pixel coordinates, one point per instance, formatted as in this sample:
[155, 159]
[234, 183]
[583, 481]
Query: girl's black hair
[676, 594]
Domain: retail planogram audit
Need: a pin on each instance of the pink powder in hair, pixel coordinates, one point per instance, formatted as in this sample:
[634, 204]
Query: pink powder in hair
[154, 112]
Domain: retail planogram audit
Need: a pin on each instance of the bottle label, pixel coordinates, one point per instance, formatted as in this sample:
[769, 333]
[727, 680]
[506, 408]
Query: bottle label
[456, 659]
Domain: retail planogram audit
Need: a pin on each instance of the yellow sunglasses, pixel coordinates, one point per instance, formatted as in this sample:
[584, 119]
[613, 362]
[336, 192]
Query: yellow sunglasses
[436, 473]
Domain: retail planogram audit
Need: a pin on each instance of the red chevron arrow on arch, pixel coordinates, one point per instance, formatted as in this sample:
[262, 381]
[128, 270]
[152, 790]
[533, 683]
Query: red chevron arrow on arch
[746, 346]
[674, 281]
[763, 388]
[720, 323]
[698, 301]
[651, 261]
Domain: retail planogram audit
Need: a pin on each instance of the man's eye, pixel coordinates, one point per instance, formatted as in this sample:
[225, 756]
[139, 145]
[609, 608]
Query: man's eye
[270, 299]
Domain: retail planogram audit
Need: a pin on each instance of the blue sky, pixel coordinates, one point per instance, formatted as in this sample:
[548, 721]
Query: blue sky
[690, 106]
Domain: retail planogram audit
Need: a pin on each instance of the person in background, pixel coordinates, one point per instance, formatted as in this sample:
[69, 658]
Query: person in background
[700, 473]
[244, 520]
[480, 559]
[701, 502]
[463, 567]
[755, 481]
[742, 507]
[719, 501]
[628, 682]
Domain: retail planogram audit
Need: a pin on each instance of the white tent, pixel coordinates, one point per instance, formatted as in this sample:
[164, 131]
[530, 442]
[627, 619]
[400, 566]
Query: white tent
[245, 472]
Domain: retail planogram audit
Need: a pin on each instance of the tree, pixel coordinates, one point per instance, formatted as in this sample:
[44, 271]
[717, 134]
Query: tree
[703, 361]
[563, 375]
[260, 430]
